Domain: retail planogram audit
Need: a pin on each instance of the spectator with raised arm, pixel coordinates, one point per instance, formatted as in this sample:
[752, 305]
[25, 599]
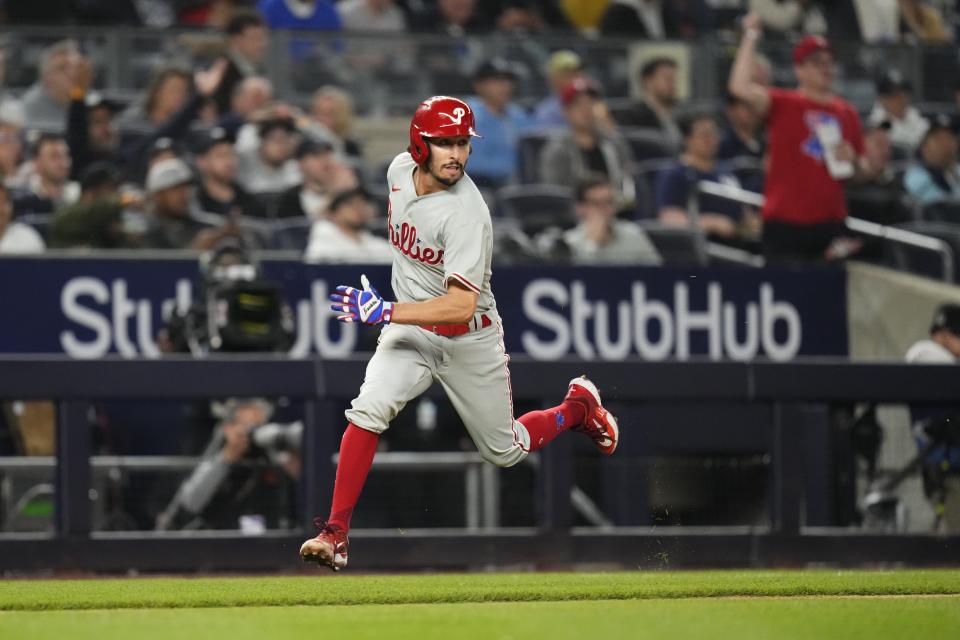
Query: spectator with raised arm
[815, 144]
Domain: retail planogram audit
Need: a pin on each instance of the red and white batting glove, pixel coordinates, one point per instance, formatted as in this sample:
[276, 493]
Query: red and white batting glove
[356, 305]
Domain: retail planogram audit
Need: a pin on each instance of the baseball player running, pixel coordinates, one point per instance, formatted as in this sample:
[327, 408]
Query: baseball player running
[443, 327]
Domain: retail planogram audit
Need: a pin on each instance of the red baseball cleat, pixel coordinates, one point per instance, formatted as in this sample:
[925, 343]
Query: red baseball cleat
[329, 547]
[599, 425]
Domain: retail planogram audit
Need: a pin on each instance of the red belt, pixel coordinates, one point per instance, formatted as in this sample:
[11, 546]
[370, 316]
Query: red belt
[454, 330]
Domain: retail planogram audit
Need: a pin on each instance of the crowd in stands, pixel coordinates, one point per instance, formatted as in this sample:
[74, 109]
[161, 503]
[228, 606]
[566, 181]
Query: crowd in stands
[212, 152]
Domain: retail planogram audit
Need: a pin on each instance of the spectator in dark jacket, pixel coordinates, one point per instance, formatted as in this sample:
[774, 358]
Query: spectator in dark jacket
[217, 190]
[658, 82]
[247, 42]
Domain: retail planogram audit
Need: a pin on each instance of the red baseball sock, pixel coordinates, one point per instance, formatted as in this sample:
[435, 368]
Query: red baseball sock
[356, 457]
[543, 426]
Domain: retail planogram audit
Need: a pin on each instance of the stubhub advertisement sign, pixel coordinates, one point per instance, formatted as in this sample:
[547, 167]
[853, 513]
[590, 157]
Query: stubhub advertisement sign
[89, 308]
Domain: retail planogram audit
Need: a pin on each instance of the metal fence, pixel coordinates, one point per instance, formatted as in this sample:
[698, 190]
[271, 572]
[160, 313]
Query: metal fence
[792, 398]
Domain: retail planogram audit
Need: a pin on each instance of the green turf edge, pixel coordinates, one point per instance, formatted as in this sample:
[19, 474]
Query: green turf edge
[326, 588]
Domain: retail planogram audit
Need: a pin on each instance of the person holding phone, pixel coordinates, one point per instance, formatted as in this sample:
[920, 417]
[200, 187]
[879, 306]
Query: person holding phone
[815, 145]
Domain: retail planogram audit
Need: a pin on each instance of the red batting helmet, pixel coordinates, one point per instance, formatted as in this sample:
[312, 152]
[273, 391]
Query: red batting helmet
[439, 117]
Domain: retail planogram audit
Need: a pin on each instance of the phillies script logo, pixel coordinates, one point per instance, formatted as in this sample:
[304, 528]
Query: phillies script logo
[404, 237]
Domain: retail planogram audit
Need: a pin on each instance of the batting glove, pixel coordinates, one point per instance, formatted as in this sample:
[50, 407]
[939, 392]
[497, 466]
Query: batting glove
[366, 305]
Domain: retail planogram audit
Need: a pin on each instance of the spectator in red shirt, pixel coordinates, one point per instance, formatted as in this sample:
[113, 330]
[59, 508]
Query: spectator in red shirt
[815, 144]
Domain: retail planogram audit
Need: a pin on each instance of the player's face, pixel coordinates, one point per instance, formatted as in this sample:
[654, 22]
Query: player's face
[448, 159]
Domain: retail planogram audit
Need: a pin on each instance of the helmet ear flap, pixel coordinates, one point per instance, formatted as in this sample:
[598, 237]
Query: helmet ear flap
[419, 149]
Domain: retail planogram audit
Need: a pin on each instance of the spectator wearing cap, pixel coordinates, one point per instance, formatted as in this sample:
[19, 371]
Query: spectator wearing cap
[45, 103]
[270, 167]
[494, 159]
[562, 67]
[247, 42]
[342, 236]
[16, 237]
[96, 219]
[323, 175]
[174, 223]
[881, 197]
[44, 184]
[721, 219]
[935, 176]
[658, 99]
[586, 146]
[91, 133]
[217, 189]
[907, 126]
[383, 16]
[600, 238]
[815, 143]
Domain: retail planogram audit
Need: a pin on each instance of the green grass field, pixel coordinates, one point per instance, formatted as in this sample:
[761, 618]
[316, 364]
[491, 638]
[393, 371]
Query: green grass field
[672, 605]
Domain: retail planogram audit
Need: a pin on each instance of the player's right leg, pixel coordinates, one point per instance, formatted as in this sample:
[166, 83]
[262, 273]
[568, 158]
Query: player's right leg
[401, 369]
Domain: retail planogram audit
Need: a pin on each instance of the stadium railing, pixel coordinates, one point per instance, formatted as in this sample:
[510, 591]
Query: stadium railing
[786, 390]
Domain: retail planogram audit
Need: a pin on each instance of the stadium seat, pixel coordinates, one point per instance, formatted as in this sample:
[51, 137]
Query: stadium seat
[536, 207]
[529, 146]
[291, 234]
[645, 181]
[677, 245]
[649, 144]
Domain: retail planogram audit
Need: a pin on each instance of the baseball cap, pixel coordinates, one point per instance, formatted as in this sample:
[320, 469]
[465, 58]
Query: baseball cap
[209, 139]
[576, 87]
[312, 146]
[892, 82]
[94, 100]
[946, 317]
[494, 68]
[167, 174]
[808, 46]
[563, 61]
[287, 124]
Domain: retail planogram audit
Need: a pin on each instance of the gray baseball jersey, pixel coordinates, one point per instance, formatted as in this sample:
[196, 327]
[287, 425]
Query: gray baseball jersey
[435, 238]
